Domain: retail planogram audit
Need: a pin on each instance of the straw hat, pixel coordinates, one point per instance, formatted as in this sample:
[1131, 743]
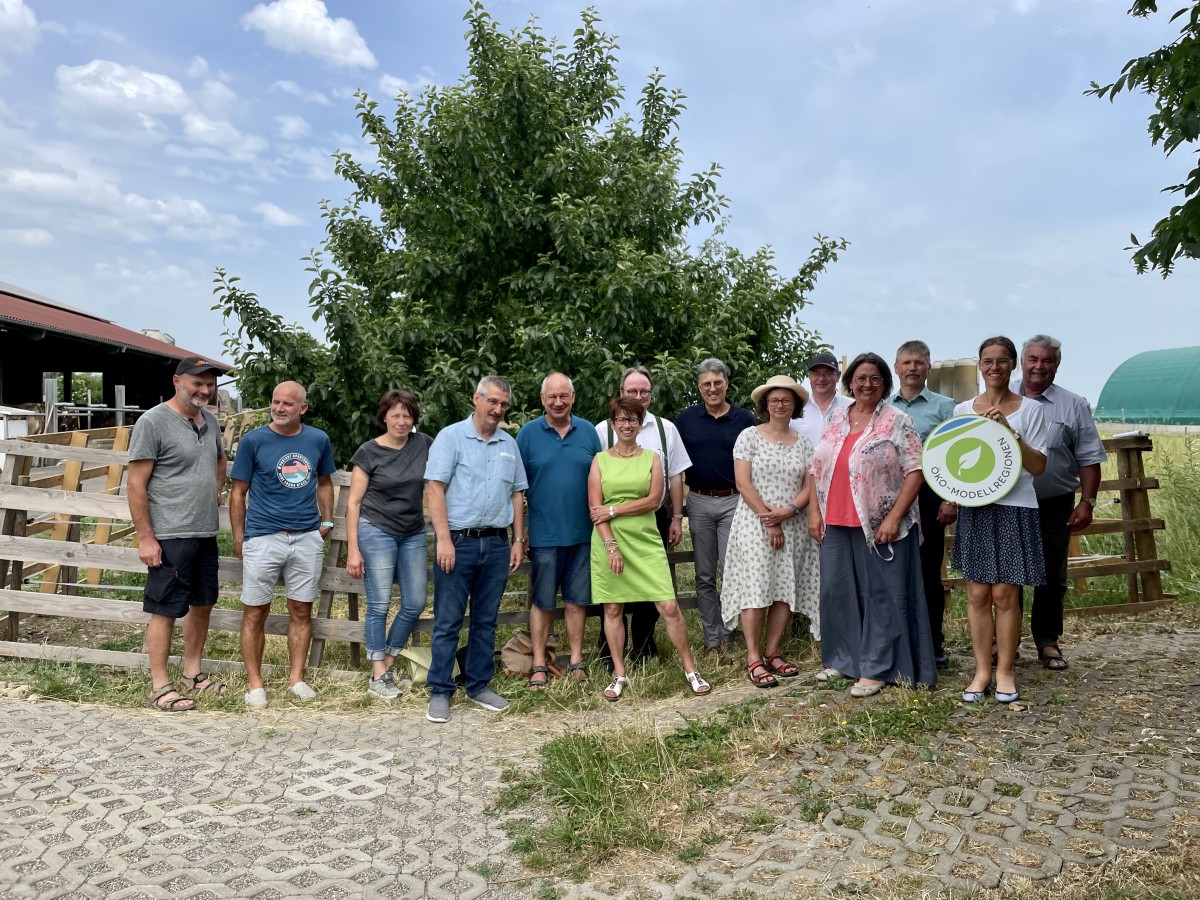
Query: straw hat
[780, 381]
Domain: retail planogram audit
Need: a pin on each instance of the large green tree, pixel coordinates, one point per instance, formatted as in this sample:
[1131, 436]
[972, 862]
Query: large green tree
[520, 222]
[1171, 75]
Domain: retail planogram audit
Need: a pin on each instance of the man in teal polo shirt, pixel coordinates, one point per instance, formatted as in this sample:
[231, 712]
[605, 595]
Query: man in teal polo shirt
[475, 484]
[927, 410]
[557, 450]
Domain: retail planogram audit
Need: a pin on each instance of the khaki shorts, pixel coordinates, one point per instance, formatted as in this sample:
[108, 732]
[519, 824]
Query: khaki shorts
[297, 556]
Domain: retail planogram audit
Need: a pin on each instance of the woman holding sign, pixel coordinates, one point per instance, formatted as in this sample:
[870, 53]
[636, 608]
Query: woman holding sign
[867, 472]
[998, 547]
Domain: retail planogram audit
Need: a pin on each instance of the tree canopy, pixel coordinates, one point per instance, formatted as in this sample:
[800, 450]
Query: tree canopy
[1171, 75]
[517, 223]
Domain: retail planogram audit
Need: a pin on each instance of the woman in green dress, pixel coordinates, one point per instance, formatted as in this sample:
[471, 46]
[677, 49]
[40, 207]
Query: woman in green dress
[629, 563]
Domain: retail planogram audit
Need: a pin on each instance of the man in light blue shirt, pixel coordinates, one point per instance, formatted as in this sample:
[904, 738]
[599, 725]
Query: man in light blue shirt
[1074, 453]
[927, 410]
[557, 450]
[475, 490]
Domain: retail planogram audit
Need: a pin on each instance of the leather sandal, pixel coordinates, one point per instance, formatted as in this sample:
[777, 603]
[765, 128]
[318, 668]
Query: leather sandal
[160, 700]
[201, 682]
[763, 678]
[699, 686]
[577, 671]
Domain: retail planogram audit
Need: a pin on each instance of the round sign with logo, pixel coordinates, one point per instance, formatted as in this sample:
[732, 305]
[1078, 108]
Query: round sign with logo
[971, 461]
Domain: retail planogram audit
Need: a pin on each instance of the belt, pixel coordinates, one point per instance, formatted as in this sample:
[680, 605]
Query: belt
[480, 532]
[727, 492]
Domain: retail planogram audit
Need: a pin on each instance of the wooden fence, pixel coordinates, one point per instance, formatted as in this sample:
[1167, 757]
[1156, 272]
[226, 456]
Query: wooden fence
[57, 504]
[1139, 563]
[45, 562]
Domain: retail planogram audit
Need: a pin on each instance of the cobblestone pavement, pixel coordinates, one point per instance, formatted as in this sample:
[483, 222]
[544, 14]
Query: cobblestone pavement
[98, 802]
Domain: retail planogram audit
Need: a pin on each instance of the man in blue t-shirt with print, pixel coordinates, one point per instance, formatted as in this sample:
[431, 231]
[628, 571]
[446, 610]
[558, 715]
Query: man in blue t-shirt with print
[284, 470]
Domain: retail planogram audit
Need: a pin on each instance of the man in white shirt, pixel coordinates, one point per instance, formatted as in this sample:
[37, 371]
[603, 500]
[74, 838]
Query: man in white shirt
[661, 436]
[823, 397]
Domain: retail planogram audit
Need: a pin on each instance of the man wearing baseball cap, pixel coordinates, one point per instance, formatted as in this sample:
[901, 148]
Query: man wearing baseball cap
[823, 397]
[176, 473]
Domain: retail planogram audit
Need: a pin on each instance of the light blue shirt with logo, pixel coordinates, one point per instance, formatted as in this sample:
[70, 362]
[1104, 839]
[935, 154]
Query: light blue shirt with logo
[282, 472]
[480, 475]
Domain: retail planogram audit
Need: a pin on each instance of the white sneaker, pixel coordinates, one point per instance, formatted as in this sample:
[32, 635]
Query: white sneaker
[256, 698]
[302, 691]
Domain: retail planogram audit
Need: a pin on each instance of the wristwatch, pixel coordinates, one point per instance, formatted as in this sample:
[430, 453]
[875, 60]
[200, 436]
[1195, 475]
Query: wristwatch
[1090, 501]
[518, 540]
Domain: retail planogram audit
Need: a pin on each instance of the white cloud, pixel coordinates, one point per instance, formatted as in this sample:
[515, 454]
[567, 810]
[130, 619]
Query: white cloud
[19, 30]
[275, 217]
[198, 67]
[222, 137]
[215, 97]
[392, 85]
[305, 27]
[290, 87]
[291, 128]
[317, 161]
[848, 58]
[102, 85]
[97, 206]
[25, 237]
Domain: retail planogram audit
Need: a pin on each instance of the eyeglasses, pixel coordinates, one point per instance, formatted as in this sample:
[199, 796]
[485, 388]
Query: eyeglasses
[781, 401]
[626, 420]
[630, 392]
[493, 402]
[862, 380]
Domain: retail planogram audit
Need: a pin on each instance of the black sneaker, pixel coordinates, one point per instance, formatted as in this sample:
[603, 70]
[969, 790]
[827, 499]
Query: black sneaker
[942, 659]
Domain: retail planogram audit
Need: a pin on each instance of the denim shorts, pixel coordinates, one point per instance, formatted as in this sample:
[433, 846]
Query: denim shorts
[186, 578]
[296, 555]
[568, 569]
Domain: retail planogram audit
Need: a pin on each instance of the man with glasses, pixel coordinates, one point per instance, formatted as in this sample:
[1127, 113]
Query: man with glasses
[823, 397]
[661, 436]
[176, 475]
[927, 410]
[475, 491]
[709, 430]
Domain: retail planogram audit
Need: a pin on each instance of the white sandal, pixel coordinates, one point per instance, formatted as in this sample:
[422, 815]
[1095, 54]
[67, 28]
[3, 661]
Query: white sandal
[618, 685]
[700, 687]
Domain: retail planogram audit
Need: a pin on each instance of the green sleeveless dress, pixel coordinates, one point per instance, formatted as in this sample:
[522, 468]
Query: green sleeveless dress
[646, 575]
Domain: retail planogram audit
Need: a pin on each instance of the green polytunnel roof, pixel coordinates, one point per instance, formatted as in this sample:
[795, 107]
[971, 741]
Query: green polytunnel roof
[1158, 387]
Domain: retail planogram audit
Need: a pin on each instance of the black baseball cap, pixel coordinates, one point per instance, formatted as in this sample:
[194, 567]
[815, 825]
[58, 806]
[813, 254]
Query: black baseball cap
[194, 365]
[824, 358]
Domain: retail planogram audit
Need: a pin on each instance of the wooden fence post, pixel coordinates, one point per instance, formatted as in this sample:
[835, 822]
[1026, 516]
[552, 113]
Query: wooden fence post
[112, 484]
[62, 524]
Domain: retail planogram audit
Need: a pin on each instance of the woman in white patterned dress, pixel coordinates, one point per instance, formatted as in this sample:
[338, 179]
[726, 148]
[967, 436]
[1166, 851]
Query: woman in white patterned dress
[772, 566]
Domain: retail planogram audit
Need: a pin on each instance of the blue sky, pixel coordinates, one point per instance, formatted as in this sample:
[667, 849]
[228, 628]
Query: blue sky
[143, 144]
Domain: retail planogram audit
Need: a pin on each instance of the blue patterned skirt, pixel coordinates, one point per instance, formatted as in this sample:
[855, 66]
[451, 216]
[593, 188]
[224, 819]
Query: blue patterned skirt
[999, 545]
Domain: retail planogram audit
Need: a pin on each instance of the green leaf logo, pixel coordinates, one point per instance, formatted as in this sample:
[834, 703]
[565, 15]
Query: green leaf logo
[968, 459]
[971, 460]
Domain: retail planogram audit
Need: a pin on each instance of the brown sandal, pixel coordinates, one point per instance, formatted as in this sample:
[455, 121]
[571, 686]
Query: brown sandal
[201, 682]
[160, 701]
[763, 680]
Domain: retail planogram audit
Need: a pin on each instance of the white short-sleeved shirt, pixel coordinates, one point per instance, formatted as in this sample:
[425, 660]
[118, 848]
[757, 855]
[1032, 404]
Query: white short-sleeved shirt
[812, 423]
[1030, 424]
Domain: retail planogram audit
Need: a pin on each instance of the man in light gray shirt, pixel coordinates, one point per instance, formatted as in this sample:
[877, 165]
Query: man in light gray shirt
[176, 474]
[1074, 453]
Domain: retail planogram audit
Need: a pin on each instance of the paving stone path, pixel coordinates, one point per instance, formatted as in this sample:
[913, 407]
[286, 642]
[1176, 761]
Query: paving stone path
[108, 803]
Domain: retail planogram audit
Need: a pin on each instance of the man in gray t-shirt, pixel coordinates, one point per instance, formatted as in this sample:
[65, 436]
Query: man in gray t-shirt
[176, 473]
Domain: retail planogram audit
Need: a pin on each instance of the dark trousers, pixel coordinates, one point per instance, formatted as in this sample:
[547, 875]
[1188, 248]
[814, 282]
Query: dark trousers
[1046, 615]
[642, 617]
[933, 551]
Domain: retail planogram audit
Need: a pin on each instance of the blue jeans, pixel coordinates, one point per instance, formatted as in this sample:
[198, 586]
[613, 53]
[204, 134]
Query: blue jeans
[386, 560]
[480, 572]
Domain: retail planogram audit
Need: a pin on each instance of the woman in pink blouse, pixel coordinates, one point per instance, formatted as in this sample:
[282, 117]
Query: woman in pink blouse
[867, 472]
